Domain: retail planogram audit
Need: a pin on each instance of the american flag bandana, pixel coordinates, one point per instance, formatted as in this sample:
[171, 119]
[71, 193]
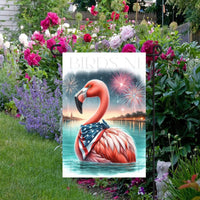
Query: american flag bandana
[90, 134]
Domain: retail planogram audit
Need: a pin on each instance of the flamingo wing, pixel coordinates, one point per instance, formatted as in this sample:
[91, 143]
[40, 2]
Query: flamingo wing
[114, 146]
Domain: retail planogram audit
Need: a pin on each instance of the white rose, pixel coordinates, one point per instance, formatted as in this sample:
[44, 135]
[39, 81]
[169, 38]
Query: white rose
[7, 45]
[23, 38]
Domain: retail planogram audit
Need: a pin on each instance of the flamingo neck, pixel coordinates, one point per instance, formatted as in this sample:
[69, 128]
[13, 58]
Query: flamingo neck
[104, 102]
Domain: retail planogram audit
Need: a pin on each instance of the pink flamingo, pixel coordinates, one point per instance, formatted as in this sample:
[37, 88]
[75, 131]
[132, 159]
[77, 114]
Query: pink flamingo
[111, 144]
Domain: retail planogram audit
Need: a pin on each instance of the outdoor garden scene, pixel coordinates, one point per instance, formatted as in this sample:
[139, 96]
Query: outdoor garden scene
[31, 90]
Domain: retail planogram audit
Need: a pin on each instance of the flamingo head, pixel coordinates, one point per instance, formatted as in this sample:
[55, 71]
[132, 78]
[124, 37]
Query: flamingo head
[93, 88]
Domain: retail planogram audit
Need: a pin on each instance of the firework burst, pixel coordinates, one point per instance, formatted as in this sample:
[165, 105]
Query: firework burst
[134, 95]
[70, 84]
[120, 81]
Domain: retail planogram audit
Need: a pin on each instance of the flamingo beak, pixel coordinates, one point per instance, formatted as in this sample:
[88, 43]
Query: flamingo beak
[79, 98]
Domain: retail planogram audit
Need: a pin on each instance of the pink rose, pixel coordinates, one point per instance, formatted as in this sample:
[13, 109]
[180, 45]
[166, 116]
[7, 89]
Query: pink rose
[182, 63]
[115, 42]
[27, 53]
[30, 44]
[127, 32]
[170, 53]
[93, 12]
[74, 38]
[45, 23]
[50, 43]
[63, 47]
[82, 27]
[17, 115]
[129, 48]
[39, 37]
[33, 59]
[27, 77]
[55, 20]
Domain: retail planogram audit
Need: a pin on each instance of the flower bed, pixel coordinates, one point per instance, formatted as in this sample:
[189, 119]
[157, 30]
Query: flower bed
[38, 77]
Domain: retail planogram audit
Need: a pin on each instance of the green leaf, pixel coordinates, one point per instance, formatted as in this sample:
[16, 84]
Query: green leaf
[163, 79]
[160, 119]
[171, 84]
[188, 92]
[168, 93]
[181, 91]
[175, 159]
[189, 125]
[196, 103]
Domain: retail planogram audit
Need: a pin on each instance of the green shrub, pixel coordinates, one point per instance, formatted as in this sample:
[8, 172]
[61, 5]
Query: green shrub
[185, 170]
[32, 12]
[177, 109]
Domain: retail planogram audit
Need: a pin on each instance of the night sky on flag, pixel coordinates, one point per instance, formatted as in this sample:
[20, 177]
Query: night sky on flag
[127, 93]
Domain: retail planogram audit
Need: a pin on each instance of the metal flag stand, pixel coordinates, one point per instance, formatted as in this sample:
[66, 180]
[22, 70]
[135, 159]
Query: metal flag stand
[52, 48]
[155, 53]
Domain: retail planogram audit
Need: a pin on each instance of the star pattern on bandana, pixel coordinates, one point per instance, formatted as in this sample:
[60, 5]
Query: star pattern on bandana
[90, 131]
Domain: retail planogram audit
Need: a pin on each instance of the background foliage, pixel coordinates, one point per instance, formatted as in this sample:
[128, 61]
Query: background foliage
[31, 12]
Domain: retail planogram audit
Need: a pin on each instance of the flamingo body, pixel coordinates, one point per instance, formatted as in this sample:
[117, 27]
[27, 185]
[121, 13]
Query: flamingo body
[112, 144]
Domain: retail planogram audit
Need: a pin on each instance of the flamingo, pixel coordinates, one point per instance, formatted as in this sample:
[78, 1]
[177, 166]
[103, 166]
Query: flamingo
[110, 145]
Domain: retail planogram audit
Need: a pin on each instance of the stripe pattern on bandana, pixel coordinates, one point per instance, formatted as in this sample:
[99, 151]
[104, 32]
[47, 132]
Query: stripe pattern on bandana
[90, 134]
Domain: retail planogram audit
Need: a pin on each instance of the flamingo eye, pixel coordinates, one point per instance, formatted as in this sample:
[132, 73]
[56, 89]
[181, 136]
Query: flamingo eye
[89, 86]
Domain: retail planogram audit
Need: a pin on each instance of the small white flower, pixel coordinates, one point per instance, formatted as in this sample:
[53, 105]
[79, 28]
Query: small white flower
[7, 45]
[26, 44]
[1, 39]
[47, 33]
[66, 25]
[23, 38]
[71, 30]
[94, 35]
[21, 27]
[92, 47]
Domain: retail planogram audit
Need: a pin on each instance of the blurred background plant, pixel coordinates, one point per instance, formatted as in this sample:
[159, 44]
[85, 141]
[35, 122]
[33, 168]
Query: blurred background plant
[182, 175]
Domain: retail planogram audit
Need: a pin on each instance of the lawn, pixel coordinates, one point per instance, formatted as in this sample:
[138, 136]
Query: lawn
[30, 168]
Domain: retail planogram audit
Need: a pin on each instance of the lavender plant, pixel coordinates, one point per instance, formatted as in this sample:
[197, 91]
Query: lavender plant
[8, 80]
[40, 108]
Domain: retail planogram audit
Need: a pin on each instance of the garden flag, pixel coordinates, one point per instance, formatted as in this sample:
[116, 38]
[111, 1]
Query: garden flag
[104, 108]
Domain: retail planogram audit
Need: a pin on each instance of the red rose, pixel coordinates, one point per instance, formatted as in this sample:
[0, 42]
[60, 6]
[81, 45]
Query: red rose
[148, 48]
[126, 8]
[114, 15]
[87, 37]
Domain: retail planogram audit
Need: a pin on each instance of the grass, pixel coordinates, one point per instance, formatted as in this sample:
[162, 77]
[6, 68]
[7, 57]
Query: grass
[30, 168]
